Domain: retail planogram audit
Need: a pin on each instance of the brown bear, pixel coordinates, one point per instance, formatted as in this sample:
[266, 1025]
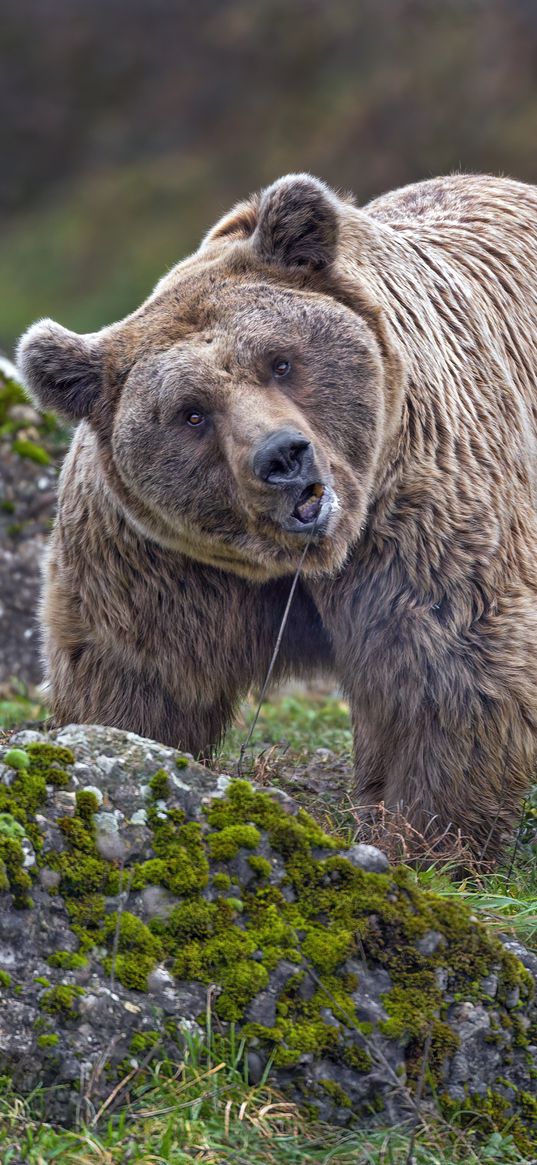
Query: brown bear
[358, 380]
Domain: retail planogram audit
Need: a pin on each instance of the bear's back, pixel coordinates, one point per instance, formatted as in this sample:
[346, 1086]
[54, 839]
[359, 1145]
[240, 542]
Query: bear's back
[469, 199]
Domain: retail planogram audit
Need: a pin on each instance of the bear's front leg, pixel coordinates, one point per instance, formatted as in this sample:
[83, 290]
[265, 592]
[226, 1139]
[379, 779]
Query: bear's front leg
[156, 644]
[444, 731]
[164, 646]
[98, 686]
[451, 781]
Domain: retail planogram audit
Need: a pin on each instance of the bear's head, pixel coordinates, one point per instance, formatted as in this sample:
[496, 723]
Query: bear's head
[242, 410]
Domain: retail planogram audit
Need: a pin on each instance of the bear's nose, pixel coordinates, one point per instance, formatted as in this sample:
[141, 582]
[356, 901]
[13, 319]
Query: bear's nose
[280, 458]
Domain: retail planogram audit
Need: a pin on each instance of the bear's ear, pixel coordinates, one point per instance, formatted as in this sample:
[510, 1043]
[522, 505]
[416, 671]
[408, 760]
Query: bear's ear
[238, 223]
[61, 370]
[298, 223]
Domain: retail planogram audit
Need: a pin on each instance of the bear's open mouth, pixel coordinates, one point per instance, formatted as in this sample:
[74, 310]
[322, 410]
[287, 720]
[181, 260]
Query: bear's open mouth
[308, 506]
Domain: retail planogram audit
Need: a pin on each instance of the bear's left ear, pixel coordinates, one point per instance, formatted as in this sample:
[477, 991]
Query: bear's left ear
[62, 370]
[298, 223]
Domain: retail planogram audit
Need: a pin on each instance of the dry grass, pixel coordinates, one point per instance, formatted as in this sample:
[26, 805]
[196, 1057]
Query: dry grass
[392, 832]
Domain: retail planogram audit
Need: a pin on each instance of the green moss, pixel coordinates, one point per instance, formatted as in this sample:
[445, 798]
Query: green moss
[193, 920]
[87, 804]
[17, 879]
[241, 983]
[5, 979]
[336, 1092]
[244, 804]
[82, 870]
[182, 762]
[131, 934]
[138, 949]
[9, 827]
[50, 1040]
[181, 863]
[389, 913]
[42, 980]
[260, 866]
[82, 873]
[327, 948]
[132, 970]
[226, 843]
[31, 451]
[86, 915]
[209, 959]
[45, 756]
[357, 1058]
[67, 960]
[236, 905]
[312, 920]
[515, 975]
[35, 766]
[160, 784]
[291, 1039]
[60, 1000]
[16, 758]
[58, 777]
[142, 1042]
[528, 1105]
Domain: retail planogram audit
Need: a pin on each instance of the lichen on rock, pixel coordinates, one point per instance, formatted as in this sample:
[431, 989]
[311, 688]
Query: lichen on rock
[153, 882]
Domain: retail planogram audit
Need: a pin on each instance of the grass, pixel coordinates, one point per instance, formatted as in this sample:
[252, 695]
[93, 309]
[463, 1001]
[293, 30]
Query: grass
[296, 723]
[508, 903]
[19, 705]
[204, 1109]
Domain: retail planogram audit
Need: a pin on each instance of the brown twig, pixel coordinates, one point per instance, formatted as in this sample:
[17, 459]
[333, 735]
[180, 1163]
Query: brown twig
[518, 835]
[120, 1087]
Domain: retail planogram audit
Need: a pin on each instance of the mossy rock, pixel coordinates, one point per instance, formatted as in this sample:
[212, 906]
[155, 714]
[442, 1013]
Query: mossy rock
[158, 884]
[32, 445]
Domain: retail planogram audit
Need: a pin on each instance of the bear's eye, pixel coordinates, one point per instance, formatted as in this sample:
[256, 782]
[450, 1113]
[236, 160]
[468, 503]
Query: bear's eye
[195, 419]
[281, 368]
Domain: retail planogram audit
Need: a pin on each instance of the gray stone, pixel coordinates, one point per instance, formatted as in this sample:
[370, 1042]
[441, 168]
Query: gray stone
[430, 942]
[160, 980]
[441, 975]
[512, 999]
[105, 1015]
[489, 985]
[49, 879]
[263, 1009]
[256, 1067]
[368, 858]
[526, 957]
[156, 902]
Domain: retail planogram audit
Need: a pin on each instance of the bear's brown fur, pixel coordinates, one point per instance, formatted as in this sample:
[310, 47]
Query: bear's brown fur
[385, 356]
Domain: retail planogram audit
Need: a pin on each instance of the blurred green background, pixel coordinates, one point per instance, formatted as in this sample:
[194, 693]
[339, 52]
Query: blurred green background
[129, 126]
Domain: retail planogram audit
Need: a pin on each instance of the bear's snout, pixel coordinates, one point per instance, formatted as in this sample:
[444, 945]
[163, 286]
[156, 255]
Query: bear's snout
[286, 461]
[283, 457]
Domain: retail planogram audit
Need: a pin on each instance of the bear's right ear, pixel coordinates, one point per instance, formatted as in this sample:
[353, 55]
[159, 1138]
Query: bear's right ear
[298, 223]
[61, 370]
